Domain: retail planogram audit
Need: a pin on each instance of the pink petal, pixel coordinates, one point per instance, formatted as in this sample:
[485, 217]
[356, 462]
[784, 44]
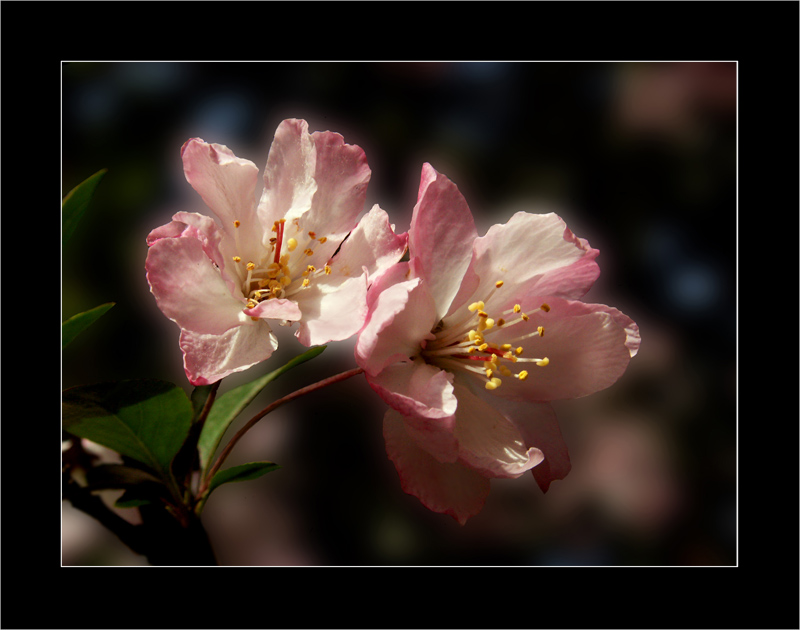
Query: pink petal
[401, 316]
[372, 245]
[189, 288]
[538, 425]
[440, 238]
[448, 488]
[586, 347]
[533, 254]
[334, 308]
[289, 184]
[227, 184]
[416, 389]
[342, 176]
[209, 358]
[276, 309]
[488, 441]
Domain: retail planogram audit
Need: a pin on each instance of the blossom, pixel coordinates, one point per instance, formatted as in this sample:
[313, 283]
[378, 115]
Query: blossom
[470, 339]
[297, 254]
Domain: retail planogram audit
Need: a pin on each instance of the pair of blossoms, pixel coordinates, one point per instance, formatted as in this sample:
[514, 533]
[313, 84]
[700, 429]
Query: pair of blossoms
[467, 340]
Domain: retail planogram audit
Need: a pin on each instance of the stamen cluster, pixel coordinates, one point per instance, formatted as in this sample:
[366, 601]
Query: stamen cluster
[469, 344]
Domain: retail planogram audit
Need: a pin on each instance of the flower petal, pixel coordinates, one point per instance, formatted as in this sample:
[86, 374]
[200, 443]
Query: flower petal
[401, 316]
[488, 441]
[189, 288]
[448, 488]
[209, 358]
[372, 245]
[334, 308]
[416, 389]
[586, 345]
[227, 184]
[289, 184]
[440, 237]
[534, 254]
[282, 309]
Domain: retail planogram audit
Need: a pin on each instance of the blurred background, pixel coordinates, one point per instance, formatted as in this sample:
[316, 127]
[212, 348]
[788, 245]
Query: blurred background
[638, 158]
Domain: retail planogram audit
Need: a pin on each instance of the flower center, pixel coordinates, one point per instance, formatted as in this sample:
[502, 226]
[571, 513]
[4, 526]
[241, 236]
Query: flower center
[488, 347]
[284, 268]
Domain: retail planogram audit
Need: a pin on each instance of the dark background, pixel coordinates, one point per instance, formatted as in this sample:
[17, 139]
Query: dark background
[639, 158]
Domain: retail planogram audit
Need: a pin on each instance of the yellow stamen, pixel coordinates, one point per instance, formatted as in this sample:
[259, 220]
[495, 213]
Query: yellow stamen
[475, 306]
[501, 321]
[313, 235]
[524, 317]
[291, 244]
[327, 268]
[237, 223]
[251, 266]
[543, 362]
[517, 308]
[489, 323]
[493, 383]
[545, 308]
[498, 284]
[506, 346]
[483, 347]
[522, 375]
[309, 252]
[541, 331]
[518, 350]
[323, 239]
[237, 259]
[306, 282]
[251, 304]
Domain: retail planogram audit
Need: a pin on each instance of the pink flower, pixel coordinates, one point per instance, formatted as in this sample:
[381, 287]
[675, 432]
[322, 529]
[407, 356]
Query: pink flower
[274, 259]
[471, 338]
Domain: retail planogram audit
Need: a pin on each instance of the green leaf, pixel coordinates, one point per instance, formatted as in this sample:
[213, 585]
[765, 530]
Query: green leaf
[146, 419]
[228, 406]
[75, 203]
[245, 472]
[76, 324]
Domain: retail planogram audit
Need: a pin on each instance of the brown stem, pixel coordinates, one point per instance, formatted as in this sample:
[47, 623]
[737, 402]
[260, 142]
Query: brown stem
[271, 407]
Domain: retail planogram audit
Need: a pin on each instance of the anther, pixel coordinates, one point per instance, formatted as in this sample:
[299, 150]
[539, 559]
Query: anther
[475, 306]
[309, 252]
[323, 239]
[313, 235]
[291, 244]
[524, 317]
[518, 350]
[493, 383]
[543, 362]
[306, 282]
[251, 266]
[545, 308]
[237, 259]
[522, 375]
[327, 268]
[498, 284]
[501, 321]
[541, 331]
[517, 308]
[237, 223]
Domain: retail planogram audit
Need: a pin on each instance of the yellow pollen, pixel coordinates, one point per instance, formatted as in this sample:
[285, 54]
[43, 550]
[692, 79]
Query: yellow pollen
[237, 259]
[237, 223]
[251, 304]
[323, 239]
[483, 347]
[541, 331]
[286, 280]
[506, 346]
[311, 268]
[475, 306]
[327, 268]
[493, 383]
[524, 317]
[306, 282]
[489, 372]
[291, 244]
[474, 335]
[257, 295]
[522, 375]
[498, 284]
[251, 266]
[517, 308]
[543, 362]
[518, 350]
[489, 322]
[285, 258]
[545, 308]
